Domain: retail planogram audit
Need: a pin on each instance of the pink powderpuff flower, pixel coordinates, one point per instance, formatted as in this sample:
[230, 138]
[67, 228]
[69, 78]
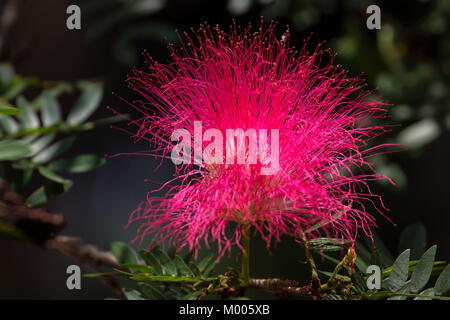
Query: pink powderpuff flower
[255, 80]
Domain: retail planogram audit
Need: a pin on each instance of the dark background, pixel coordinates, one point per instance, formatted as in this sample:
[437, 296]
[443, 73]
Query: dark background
[408, 60]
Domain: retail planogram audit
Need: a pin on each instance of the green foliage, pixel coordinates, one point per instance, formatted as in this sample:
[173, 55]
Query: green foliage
[402, 279]
[34, 134]
[158, 275]
[408, 278]
[123, 19]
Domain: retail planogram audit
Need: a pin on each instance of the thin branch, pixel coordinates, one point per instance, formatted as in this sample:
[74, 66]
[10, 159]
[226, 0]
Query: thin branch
[85, 253]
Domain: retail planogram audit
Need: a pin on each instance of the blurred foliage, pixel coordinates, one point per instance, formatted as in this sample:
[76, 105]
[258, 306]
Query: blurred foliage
[33, 134]
[127, 20]
[408, 59]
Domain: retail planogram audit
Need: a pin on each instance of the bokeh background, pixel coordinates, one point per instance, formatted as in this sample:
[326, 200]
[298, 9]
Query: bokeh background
[408, 60]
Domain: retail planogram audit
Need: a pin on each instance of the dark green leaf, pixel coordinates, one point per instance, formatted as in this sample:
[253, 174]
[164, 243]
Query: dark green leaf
[77, 164]
[86, 103]
[29, 118]
[98, 275]
[124, 253]
[362, 257]
[138, 268]
[54, 150]
[326, 244]
[422, 272]
[49, 174]
[404, 289]
[151, 292]
[151, 261]
[133, 295]
[427, 294]
[192, 296]
[14, 150]
[194, 269]
[399, 274]
[41, 143]
[338, 276]
[181, 266]
[335, 297]
[8, 124]
[166, 263]
[7, 110]
[43, 194]
[443, 282]
[205, 262]
[146, 278]
[51, 110]
[209, 268]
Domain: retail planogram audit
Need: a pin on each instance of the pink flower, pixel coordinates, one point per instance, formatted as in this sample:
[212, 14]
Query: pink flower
[240, 79]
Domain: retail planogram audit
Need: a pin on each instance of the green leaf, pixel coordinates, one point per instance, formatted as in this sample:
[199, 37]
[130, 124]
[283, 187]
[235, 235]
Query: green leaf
[124, 253]
[7, 111]
[138, 268]
[133, 295]
[151, 292]
[38, 145]
[413, 237]
[362, 257]
[338, 276]
[167, 265]
[29, 118]
[49, 174]
[86, 103]
[98, 275]
[191, 296]
[151, 261]
[17, 85]
[9, 125]
[326, 244]
[209, 268]
[14, 150]
[443, 282]
[195, 270]
[422, 272]
[54, 150]
[205, 262]
[405, 289]
[335, 297]
[43, 194]
[77, 164]
[399, 274]
[428, 292]
[167, 278]
[51, 110]
[182, 268]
